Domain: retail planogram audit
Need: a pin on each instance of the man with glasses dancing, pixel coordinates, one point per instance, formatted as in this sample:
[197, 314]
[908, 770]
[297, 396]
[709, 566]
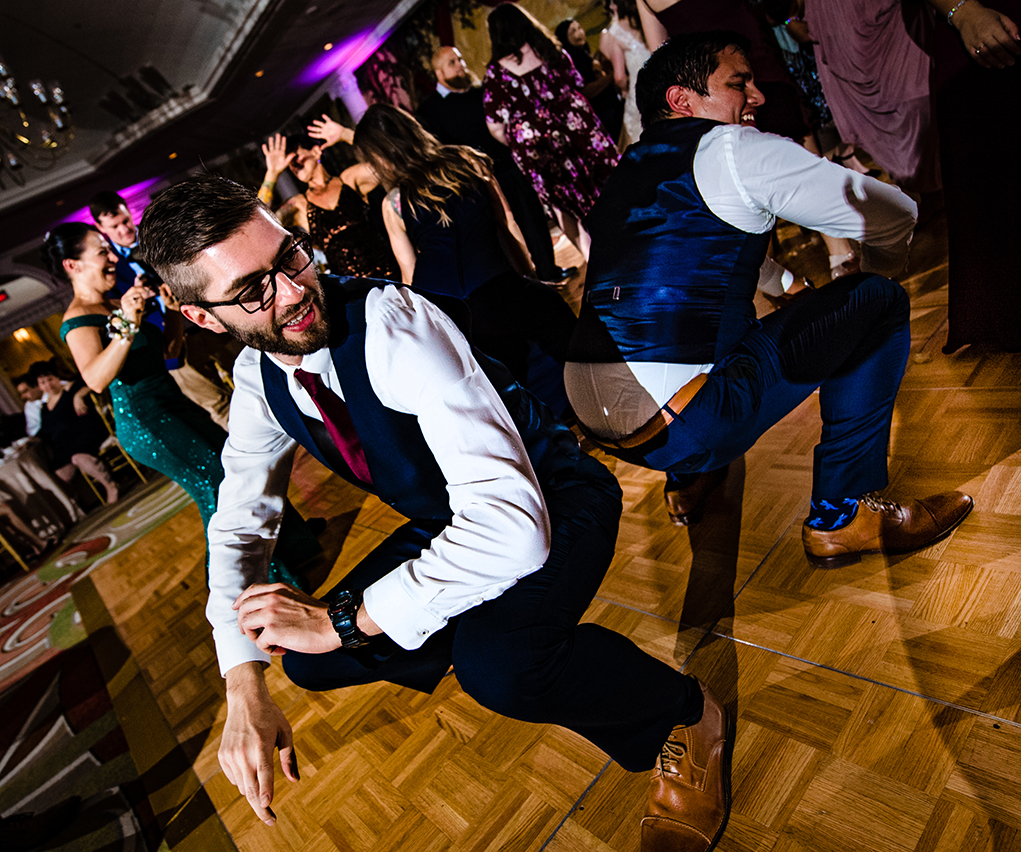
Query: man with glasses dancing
[511, 528]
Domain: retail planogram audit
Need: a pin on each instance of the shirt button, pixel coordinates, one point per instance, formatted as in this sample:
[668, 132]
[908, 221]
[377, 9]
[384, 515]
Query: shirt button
[478, 601]
[423, 633]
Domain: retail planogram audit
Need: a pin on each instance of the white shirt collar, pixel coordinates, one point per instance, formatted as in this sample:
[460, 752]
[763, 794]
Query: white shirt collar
[318, 362]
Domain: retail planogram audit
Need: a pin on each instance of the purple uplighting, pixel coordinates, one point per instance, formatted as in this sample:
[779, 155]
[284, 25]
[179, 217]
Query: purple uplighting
[137, 197]
[346, 56]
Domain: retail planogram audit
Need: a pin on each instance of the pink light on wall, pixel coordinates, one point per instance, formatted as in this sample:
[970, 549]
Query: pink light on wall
[344, 57]
[137, 196]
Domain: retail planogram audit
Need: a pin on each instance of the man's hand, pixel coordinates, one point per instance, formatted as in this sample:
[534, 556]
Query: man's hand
[330, 132]
[277, 618]
[170, 301]
[274, 150]
[255, 726]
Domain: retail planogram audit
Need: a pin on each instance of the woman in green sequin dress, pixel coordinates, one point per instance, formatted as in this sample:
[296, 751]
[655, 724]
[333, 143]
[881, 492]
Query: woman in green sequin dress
[156, 424]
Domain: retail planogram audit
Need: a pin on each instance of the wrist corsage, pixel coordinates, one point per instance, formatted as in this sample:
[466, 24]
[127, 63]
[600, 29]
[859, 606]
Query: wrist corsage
[120, 327]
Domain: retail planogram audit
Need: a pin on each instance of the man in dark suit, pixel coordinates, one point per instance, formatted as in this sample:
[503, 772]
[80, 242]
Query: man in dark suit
[510, 526]
[454, 114]
[115, 221]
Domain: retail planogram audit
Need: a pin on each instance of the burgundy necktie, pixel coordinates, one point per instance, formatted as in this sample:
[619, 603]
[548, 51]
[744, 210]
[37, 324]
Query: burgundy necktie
[338, 423]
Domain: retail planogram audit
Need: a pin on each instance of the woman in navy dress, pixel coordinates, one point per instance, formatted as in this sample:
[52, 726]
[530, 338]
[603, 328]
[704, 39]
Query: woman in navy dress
[454, 235]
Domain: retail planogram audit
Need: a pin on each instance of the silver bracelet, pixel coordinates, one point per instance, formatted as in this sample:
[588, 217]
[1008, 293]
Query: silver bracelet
[950, 14]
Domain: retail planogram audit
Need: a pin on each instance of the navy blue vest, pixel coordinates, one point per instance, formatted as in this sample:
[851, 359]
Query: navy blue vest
[668, 281]
[405, 474]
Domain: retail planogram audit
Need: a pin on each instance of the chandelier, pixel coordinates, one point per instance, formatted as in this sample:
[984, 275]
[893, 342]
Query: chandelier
[35, 126]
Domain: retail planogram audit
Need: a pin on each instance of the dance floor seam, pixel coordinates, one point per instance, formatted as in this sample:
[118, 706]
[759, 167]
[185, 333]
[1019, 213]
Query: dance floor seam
[877, 707]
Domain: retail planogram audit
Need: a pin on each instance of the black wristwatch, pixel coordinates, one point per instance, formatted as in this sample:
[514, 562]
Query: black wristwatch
[344, 617]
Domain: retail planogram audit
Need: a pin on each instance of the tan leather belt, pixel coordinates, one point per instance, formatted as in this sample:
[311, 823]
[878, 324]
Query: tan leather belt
[663, 418]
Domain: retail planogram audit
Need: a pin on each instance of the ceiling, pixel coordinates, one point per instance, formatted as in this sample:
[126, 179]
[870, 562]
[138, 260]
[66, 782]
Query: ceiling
[209, 51]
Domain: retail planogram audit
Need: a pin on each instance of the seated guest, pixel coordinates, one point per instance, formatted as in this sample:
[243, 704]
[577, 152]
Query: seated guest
[454, 114]
[453, 235]
[72, 429]
[511, 527]
[17, 532]
[335, 211]
[672, 370]
[28, 390]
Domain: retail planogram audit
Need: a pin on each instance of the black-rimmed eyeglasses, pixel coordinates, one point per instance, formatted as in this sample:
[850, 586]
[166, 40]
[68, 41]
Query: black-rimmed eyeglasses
[259, 295]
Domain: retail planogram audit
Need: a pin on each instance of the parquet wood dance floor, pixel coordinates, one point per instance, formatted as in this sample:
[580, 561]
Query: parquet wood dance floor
[878, 707]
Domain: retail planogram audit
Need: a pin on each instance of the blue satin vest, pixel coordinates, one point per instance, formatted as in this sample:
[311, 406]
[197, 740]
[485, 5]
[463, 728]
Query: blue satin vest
[668, 280]
[405, 474]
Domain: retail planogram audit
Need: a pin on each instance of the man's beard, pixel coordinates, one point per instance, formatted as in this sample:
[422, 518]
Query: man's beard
[276, 342]
[460, 83]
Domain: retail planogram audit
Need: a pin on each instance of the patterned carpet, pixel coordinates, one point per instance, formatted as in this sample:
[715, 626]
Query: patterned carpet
[60, 738]
[37, 615]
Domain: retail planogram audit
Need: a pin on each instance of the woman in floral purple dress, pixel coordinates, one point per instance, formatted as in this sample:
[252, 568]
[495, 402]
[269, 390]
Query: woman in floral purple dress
[533, 106]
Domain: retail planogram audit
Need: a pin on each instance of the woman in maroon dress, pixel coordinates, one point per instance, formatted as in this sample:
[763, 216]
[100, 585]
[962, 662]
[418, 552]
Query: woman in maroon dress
[533, 105]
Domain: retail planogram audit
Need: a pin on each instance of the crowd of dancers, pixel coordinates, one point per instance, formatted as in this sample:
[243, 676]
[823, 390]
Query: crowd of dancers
[448, 397]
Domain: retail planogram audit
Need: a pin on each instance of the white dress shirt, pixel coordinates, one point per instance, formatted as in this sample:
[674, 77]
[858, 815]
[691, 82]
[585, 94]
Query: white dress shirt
[418, 363]
[750, 179]
[34, 415]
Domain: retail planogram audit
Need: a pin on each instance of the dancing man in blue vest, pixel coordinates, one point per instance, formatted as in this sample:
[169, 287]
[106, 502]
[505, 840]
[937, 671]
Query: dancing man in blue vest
[511, 528]
[669, 367]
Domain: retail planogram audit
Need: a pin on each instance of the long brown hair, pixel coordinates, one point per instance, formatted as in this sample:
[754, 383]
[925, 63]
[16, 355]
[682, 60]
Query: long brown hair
[628, 9]
[404, 154]
[511, 28]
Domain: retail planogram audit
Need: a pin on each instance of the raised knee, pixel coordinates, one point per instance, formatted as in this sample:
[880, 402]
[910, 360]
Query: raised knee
[511, 677]
[497, 688]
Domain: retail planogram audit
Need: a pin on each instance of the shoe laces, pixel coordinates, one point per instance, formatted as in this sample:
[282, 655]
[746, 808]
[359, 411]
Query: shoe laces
[879, 504]
[672, 753]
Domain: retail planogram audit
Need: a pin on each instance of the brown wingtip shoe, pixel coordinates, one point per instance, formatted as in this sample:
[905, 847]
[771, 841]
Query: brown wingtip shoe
[686, 505]
[882, 526]
[689, 796]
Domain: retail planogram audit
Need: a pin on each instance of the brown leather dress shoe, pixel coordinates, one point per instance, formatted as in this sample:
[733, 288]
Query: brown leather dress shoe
[685, 505]
[689, 798]
[882, 526]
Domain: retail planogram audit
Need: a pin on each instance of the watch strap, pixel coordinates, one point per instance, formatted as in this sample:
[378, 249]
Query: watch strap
[343, 611]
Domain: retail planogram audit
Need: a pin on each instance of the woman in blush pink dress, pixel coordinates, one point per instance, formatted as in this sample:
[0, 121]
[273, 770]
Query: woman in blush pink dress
[874, 66]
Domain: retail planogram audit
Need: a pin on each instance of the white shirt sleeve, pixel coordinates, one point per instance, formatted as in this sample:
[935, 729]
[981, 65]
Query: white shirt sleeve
[419, 363]
[257, 468]
[749, 179]
[33, 417]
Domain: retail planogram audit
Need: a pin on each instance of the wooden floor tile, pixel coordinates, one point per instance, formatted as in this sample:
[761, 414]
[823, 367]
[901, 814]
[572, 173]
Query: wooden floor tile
[876, 706]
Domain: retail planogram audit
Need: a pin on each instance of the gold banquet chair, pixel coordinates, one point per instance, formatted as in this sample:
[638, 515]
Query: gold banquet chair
[110, 451]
